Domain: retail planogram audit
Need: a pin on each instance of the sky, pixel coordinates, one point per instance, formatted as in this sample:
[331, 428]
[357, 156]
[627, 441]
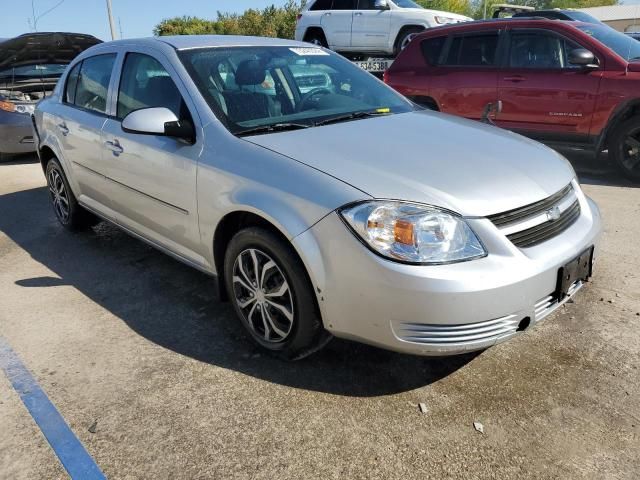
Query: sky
[136, 18]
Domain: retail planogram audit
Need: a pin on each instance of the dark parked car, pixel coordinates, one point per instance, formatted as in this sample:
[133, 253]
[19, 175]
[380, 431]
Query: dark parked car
[30, 66]
[568, 83]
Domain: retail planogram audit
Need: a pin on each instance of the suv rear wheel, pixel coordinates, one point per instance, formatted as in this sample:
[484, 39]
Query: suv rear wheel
[625, 148]
[272, 295]
[405, 38]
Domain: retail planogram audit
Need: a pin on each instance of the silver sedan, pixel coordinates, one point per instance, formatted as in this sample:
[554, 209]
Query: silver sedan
[325, 203]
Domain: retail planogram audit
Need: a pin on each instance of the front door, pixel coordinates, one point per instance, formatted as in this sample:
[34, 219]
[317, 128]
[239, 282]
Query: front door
[337, 23]
[543, 95]
[370, 26]
[155, 174]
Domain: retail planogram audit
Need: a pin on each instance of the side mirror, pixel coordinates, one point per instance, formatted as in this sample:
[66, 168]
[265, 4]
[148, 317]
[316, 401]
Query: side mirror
[582, 57]
[381, 5]
[158, 121]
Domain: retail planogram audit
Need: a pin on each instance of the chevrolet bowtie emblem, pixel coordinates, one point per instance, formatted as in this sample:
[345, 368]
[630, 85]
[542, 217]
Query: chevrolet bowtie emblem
[553, 214]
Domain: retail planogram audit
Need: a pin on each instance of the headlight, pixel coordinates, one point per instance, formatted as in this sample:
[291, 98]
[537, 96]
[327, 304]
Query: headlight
[413, 233]
[442, 20]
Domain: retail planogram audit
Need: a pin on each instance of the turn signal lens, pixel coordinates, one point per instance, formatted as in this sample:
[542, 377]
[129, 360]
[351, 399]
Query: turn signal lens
[403, 232]
[7, 106]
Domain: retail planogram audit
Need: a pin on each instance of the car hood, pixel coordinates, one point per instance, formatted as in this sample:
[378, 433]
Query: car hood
[42, 48]
[433, 158]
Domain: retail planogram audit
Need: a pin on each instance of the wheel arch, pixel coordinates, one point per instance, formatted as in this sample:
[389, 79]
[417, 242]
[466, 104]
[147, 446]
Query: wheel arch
[622, 113]
[403, 29]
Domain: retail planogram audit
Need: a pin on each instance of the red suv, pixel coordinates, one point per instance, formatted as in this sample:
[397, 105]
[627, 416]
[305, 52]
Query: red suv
[562, 83]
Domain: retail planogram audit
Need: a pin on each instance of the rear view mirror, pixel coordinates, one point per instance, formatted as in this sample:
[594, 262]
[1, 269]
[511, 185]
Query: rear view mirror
[158, 121]
[582, 57]
[381, 5]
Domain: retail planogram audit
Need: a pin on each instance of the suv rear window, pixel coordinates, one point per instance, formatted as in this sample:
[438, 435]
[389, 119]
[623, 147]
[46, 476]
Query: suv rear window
[432, 48]
[473, 50]
[321, 5]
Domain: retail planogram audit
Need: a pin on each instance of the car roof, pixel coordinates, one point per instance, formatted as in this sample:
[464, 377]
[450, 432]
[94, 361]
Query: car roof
[490, 22]
[186, 42]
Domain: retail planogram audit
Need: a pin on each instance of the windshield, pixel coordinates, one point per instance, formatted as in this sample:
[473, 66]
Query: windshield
[253, 87]
[582, 17]
[407, 4]
[47, 70]
[622, 44]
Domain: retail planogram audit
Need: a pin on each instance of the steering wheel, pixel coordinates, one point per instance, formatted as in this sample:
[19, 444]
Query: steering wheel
[309, 95]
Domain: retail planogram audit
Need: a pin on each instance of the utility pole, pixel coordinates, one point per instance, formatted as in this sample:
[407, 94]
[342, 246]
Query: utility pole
[111, 24]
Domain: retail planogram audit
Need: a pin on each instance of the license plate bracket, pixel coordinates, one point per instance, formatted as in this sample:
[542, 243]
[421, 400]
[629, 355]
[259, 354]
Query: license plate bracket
[580, 268]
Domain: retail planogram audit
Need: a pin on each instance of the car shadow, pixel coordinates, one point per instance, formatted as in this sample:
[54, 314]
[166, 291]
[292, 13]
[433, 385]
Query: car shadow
[18, 159]
[594, 170]
[175, 307]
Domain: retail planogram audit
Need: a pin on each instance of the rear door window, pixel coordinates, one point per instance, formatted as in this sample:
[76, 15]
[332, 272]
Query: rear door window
[473, 50]
[432, 49]
[344, 5]
[93, 82]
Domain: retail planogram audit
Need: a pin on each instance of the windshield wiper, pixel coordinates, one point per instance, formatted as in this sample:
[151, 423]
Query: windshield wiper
[352, 116]
[276, 127]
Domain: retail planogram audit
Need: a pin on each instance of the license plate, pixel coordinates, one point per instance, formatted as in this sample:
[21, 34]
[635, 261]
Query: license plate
[579, 269]
[375, 65]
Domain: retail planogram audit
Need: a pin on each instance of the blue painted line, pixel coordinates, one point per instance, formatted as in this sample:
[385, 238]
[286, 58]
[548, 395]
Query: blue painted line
[72, 454]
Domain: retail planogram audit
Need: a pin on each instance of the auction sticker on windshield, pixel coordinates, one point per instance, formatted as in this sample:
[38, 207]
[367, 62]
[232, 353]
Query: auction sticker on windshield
[308, 51]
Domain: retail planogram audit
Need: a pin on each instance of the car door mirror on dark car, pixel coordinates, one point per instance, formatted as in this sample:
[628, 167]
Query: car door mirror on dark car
[158, 121]
[583, 58]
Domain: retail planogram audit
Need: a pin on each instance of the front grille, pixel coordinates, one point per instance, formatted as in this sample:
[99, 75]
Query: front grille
[532, 224]
[531, 210]
[443, 335]
[540, 233]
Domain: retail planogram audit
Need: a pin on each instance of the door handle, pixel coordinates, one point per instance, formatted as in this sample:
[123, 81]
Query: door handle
[326, 14]
[358, 14]
[63, 128]
[514, 78]
[115, 147]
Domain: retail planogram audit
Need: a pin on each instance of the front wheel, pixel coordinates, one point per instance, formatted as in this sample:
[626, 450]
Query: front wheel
[625, 148]
[404, 39]
[272, 295]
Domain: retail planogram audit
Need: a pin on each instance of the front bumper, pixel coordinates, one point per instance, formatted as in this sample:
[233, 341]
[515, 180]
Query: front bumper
[444, 309]
[16, 133]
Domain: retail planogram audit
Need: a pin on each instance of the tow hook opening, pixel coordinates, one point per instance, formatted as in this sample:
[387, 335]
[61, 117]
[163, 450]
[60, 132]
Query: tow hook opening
[524, 324]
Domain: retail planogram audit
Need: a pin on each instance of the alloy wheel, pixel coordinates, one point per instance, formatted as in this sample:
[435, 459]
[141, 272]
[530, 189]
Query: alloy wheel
[263, 295]
[631, 152]
[59, 195]
[406, 41]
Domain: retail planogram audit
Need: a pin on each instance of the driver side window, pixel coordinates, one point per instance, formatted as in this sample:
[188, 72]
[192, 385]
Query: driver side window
[145, 83]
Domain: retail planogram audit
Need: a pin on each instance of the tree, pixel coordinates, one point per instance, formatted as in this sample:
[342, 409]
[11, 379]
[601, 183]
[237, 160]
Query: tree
[270, 22]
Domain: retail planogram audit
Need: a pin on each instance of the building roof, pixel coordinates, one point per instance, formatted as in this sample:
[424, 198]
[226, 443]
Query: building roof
[613, 12]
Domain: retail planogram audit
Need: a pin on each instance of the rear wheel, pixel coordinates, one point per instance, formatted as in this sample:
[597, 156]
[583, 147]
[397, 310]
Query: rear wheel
[272, 295]
[317, 38]
[68, 212]
[625, 148]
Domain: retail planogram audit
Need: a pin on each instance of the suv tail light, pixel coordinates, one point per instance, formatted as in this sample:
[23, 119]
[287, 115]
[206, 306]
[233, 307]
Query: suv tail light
[298, 17]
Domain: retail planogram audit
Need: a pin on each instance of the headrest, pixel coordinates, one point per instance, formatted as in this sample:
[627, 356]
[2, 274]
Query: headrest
[250, 72]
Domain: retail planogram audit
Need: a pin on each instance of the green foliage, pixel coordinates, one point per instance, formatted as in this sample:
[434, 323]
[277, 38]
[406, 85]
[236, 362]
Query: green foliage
[463, 7]
[270, 22]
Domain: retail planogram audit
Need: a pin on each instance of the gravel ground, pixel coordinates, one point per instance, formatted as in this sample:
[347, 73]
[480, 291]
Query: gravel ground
[122, 336]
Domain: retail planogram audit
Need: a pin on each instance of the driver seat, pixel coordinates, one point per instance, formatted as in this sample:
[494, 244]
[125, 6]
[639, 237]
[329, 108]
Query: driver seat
[246, 103]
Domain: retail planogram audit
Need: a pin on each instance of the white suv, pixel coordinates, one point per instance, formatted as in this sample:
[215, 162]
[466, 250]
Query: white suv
[367, 26]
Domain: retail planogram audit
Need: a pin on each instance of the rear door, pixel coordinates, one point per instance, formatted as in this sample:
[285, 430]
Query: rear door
[543, 96]
[370, 26]
[337, 23]
[465, 78]
[82, 114]
[155, 175]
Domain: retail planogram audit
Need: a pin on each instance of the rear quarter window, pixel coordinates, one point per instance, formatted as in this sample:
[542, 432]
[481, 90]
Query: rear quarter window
[432, 49]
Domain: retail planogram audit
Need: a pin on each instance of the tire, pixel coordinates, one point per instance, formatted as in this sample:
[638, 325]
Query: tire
[317, 38]
[65, 206]
[405, 37]
[294, 329]
[625, 148]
